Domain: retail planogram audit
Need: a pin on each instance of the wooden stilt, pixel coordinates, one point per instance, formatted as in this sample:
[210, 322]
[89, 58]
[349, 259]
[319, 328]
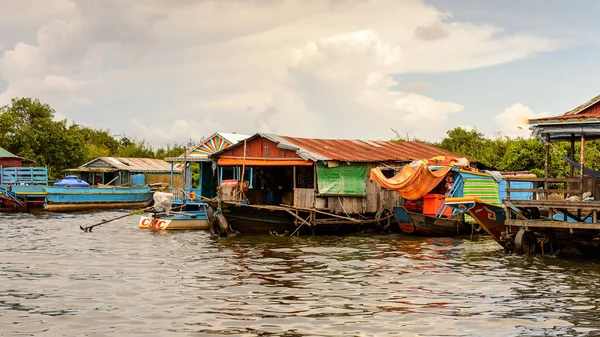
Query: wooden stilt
[546, 166]
[582, 160]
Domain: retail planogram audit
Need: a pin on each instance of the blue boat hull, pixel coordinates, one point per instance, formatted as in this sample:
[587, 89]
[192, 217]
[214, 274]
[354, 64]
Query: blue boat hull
[94, 198]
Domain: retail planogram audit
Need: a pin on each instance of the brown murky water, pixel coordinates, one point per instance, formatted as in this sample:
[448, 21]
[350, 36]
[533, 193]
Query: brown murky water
[123, 281]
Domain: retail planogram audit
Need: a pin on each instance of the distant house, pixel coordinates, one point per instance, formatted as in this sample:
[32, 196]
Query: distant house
[200, 155]
[8, 159]
[575, 126]
[329, 174]
[126, 171]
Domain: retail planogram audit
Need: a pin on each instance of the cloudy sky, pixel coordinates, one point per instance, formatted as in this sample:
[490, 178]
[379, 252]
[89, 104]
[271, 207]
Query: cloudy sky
[170, 71]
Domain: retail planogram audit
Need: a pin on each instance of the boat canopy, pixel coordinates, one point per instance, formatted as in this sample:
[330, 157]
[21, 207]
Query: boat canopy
[413, 181]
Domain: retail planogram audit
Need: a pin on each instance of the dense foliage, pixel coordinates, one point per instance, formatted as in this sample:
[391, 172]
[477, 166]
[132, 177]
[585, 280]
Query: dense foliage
[517, 154]
[28, 129]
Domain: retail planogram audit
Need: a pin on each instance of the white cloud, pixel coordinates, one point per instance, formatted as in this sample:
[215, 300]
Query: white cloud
[467, 127]
[179, 70]
[17, 11]
[417, 87]
[513, 121]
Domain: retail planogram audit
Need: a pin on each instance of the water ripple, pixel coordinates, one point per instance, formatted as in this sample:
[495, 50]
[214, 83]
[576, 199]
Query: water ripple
[119, 280]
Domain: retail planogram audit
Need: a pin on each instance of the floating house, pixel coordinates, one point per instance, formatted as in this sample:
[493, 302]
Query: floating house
[21, 188]
[199, 155]
[8, 159]
[278, 182]
[563, 214]
[118, 171]
[109, 183]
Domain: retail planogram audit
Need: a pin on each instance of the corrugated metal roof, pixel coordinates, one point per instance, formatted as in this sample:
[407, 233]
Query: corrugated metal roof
[584, 106]
[583, 111]
[352, 150]
[135, 164]
[365, 151]
[233, 137]
[5, 154]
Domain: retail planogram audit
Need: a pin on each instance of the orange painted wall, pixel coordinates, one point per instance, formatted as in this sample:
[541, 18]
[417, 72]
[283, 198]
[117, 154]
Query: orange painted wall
[260, 148]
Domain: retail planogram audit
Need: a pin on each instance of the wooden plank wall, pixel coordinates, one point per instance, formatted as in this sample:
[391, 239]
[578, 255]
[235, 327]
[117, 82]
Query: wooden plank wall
[304, 197]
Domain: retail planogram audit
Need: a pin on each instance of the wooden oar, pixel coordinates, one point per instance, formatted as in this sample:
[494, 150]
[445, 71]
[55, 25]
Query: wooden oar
[89, 228]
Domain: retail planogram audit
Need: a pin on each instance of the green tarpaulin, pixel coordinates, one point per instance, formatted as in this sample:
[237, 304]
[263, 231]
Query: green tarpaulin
[341, 180]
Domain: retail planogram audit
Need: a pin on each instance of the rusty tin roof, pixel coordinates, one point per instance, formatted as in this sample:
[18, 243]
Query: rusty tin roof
[357, 150]
[149, 165]
[352, 150]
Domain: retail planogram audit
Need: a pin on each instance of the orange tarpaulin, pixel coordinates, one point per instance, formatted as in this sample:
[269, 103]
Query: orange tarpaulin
[413, 181]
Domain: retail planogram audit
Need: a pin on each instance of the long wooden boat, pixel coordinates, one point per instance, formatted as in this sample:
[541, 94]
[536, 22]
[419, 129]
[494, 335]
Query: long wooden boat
[426, 225]
[95, 198]
[249, 218]
[491, 218]
[256, 219]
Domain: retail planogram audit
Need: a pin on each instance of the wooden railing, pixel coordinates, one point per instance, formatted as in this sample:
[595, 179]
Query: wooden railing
[543, 192]
[23, 175]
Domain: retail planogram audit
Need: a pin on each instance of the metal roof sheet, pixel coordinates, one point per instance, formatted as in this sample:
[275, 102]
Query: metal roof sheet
[135, 164]
[5, 154]
[351, 150]
[233, 137]
[581, 113]
[366, 150]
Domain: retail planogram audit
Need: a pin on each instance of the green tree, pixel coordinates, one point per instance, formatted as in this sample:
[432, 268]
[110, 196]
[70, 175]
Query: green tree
[34, 134]
[530, 155]
[97, 142]
[134, 148]
[174, 150]
[463, 142]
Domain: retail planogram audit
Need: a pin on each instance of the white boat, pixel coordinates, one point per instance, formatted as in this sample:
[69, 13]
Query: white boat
[192, 216]
[175, 220]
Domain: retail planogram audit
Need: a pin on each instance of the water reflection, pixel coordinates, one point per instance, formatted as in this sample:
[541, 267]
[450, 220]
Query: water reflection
[123, 281]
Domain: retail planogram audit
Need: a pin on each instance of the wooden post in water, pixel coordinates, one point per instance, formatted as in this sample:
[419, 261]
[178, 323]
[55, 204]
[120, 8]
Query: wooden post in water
[572, 154]
[582, 162]
[547, 166]
[241, 184]
[184, 182]
[172, 178]
[294, 177]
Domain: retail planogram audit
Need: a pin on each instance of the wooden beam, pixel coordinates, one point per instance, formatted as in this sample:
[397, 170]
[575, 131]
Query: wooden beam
[296, 218]
[294, 176]
[287, 208]
[583, 205]
[547, 164]
[550, 190]
[552, 224]
[572, 154]
[582, 161]
[550, 180]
